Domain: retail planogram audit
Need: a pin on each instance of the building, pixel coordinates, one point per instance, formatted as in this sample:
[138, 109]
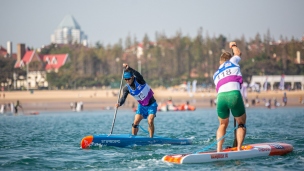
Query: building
[36, 66]
[273, 82]
[8, 51]
[69, 32]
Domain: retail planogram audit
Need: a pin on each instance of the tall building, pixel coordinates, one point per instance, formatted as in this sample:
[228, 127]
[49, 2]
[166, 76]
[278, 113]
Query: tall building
[69, 32]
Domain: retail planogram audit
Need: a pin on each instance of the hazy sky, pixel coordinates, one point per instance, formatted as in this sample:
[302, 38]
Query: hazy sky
[33, 21]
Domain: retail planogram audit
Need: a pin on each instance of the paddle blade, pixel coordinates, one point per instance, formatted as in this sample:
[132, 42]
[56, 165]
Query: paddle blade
[86, 141]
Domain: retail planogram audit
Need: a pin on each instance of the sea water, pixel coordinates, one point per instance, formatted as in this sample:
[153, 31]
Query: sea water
[51, 140]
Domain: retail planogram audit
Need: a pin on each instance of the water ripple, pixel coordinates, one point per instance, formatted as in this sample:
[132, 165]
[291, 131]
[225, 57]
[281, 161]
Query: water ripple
[51, 140]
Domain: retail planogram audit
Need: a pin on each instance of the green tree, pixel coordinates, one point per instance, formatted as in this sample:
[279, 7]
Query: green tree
[7, 71]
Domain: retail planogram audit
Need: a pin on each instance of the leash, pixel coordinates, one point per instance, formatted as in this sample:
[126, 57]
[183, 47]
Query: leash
[206, 148]
[148, 131]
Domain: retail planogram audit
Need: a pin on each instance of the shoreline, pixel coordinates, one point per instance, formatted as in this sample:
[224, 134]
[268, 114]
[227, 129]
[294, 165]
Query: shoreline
[60, 100]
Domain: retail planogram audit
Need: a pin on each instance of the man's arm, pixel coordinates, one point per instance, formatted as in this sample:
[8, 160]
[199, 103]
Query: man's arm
[236, 51]
[138, 76]
[124, 96]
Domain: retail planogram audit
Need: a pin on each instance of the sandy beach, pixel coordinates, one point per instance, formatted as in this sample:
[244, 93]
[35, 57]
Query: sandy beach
[60, 100]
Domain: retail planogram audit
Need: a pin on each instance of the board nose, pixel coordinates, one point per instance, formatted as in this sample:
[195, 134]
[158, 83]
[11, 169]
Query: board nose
[86, 141]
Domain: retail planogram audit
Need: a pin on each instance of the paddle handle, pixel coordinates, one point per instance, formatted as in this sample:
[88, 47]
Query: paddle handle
[116, 108]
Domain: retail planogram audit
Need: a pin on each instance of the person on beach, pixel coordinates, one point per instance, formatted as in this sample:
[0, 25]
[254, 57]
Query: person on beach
[284, 99]
[141, 91]
[16, 106]
[228, 80]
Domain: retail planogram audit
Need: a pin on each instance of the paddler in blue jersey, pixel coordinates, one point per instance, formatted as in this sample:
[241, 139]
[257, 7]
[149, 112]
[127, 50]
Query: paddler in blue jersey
[228, 81]
[141, 91]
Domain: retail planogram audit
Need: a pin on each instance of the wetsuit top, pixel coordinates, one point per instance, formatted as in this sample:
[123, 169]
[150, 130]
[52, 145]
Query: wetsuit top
[228, 77]
[139, 89]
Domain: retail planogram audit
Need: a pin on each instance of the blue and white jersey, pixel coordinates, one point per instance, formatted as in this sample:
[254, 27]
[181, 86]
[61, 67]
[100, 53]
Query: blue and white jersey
[228, 77]
[142, 93]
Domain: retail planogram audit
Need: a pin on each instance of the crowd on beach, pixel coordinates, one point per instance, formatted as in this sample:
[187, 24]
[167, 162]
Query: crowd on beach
[171, 102]
[76, 106]
[10, 108]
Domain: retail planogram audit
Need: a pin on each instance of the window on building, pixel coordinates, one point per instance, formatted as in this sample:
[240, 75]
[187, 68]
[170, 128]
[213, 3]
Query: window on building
[54, 60]
[47, 59]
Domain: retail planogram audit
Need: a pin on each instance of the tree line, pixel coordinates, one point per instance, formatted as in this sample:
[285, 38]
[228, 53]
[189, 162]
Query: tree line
[168, 61]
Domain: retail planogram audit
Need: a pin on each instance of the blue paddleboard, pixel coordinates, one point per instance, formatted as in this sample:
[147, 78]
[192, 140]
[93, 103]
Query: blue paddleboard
[124, 140]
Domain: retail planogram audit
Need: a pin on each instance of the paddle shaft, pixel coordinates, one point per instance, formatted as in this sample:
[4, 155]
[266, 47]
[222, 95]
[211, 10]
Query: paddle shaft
[234, 121]
[235, 141]
[116, 108]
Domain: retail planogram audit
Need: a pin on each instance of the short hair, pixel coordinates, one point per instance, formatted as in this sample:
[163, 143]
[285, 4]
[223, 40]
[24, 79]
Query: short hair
[225, 56]
[127, 70]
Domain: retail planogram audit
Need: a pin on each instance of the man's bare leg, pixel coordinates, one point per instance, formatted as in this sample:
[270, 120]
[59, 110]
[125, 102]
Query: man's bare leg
[151, 124]
[137, 120]
[221, 131]
[241, 131]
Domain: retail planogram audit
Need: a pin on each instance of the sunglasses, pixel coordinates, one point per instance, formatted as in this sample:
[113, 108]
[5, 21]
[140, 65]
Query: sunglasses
[127, 79]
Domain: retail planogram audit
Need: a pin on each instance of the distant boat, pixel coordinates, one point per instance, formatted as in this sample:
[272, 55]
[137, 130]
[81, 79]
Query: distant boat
[171, 107]
[166, 107]
[186, 107]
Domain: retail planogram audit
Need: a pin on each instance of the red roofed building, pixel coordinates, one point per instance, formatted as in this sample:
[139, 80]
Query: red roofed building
[138, 50]
[50, 62]
[54, 61]
[30, 57]
[37, 66]
[4, 53]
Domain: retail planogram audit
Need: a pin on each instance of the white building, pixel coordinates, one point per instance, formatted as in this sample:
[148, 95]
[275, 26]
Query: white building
[69, 32]
[272, 81]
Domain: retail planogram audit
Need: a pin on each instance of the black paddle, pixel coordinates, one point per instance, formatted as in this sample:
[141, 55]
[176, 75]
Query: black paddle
[234, 121]
[116, 108]
[235, 141]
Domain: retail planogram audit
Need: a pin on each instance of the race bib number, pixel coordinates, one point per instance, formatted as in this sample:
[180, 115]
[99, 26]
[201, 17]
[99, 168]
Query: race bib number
[141, 96]
[224, 74]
